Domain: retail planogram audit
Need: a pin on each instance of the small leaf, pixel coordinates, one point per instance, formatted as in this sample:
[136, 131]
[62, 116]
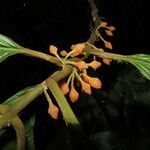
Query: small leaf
[8, 47]
[142, 63]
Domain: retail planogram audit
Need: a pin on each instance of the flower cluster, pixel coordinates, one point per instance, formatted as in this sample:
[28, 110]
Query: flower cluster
[79, 75]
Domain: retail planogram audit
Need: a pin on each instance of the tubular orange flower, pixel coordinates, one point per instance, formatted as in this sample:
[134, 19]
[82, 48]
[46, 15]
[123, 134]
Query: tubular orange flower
[108, 44]
[63, 53]
[94, 82]
[53, 110]
[107, 61]
[53, 49]
[94, 64]
[73, 94]
[64, 87]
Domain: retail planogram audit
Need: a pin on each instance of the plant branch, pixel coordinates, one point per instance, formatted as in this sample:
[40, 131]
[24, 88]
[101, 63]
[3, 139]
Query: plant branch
[40, 55]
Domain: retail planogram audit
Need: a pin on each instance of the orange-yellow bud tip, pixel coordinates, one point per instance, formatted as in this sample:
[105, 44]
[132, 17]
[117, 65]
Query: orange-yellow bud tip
[94, 64]
[86, 87]
[81, 65]
[77, 49]
[73, 95]
[107, 61]
[63, 53]
[109, 33]
[64, 88]
[95, 83]
[53, 111]
[53, 49]
[111, 28]
[108, 45]
[103, 24]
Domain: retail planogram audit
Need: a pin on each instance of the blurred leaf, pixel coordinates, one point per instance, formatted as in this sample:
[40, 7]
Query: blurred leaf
[142, 63]
[8, 47]
[2, 132]
[29, 127]
[15, 98]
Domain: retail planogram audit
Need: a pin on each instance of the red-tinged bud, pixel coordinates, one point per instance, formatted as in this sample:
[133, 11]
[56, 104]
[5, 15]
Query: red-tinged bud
[111, 28]
[63, 53]
[64, 88]
[107, 61]
[109, 33]
[73, 95]
[94, 64]
[108, 44]
[53, 49]
[53, 110]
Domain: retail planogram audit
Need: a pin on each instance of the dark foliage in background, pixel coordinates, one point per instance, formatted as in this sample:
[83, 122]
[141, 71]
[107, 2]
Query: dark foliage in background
[116, 117]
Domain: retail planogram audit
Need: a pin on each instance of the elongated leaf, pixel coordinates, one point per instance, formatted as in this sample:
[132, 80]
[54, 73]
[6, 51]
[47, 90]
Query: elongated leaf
[8, 47]
[142, 63]
[17, 96]
[7, 42]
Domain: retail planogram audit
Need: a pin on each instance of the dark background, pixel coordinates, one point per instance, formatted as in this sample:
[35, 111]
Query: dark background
[38, 23]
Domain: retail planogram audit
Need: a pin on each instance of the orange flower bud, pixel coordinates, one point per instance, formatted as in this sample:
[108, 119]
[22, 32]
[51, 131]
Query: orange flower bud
[107, 61]
[73, 46]
[111, 28]
[94, 82]
[53, 110]
[108, 44]
[103, 24]
[63, 53]
[109, 33]
[86, 87]
[81, 65]
[73, 95]
[77, 49]
[64, 88]
[94, 64]
[53, 49]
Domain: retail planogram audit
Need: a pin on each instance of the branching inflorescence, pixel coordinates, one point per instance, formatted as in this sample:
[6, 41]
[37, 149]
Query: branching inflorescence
[71, 78]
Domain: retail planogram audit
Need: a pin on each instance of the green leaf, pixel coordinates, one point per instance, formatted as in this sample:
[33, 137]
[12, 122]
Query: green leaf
[8, 47]
[142, 63]
[18, 95]
[7, 42]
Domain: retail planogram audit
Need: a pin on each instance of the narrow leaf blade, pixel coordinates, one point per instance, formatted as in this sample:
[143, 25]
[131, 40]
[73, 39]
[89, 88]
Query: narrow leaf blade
[17, 96]
[8, 47]
[142, 63]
